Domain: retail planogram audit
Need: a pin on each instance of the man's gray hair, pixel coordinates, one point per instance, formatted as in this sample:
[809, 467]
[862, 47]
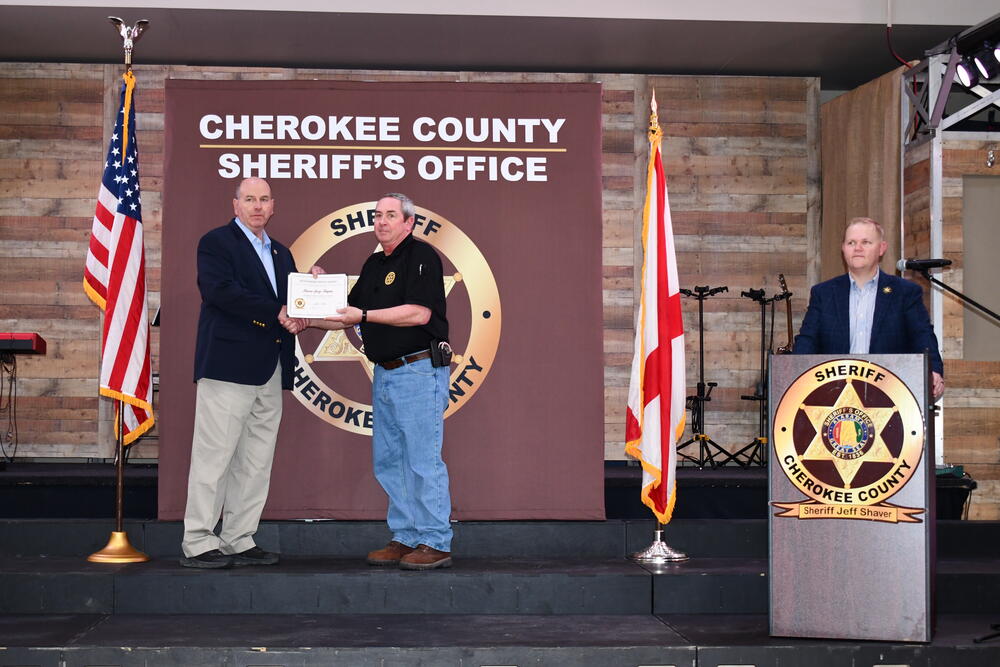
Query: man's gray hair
[405, 204]
[239, 186]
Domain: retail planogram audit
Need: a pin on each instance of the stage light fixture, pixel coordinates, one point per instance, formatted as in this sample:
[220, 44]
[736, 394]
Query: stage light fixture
[987, 61]
[967, 74]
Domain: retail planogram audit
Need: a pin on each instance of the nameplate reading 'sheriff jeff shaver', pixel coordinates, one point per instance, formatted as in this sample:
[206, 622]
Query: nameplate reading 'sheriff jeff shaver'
[849, 435]
[316, 296]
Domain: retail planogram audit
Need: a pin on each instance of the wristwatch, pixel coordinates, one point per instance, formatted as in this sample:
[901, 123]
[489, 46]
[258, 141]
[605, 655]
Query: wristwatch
[364, 315]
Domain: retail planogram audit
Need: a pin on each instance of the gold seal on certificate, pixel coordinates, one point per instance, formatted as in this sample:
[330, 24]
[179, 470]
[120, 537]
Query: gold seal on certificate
[316, 296]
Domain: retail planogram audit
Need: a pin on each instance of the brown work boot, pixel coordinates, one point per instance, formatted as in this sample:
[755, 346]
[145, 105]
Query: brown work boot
[389, 554]
[425, 558]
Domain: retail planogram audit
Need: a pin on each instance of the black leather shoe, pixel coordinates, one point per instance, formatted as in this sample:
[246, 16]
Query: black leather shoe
[255, 556]
[210, 560]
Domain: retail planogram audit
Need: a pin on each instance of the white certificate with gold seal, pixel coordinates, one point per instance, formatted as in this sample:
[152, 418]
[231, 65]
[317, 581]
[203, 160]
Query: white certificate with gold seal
[316, 296]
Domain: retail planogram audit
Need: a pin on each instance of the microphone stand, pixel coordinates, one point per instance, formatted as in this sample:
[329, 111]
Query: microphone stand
[926, 274]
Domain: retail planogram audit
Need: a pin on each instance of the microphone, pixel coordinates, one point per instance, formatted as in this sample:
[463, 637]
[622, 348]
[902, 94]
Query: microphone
[921, 264]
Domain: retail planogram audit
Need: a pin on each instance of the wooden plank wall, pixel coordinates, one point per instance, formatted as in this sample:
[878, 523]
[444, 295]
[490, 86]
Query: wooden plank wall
[741, 155]
[742, 162]
[51, 130]
[972, 397]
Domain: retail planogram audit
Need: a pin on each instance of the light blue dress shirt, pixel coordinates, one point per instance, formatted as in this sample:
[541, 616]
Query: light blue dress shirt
[263, 249]
[862, 312]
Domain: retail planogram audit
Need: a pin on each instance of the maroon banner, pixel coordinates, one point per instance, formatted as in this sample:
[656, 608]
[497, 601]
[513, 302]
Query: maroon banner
[507, 180]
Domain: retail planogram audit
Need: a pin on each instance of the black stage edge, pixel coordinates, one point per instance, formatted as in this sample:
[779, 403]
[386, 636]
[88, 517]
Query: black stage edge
[75, 490]
[86, 490]
[520, 593]
[463, 641]
[733, 492]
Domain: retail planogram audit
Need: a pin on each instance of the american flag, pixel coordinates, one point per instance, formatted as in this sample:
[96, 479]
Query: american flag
[115, 276]
[657, 388]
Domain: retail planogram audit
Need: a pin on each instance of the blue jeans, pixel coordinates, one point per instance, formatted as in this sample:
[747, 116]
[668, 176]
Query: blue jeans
[408, 405]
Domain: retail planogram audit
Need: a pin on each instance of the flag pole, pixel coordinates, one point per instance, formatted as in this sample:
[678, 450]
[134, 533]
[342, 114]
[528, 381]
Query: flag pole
[657, 388]
[659, 551]
[119, 549]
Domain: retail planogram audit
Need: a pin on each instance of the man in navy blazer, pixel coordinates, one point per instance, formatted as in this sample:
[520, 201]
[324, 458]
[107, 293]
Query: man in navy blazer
[868, 311]
[244, 358]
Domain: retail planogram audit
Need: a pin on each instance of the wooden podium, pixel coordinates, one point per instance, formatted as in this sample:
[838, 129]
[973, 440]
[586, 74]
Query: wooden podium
[851, 488]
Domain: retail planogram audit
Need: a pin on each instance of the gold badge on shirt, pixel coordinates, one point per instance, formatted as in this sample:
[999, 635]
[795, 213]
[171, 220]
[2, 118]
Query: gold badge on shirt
[390, 277]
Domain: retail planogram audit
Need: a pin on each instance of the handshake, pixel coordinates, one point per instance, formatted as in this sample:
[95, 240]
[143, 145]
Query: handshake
[293, 324]
[343, 318]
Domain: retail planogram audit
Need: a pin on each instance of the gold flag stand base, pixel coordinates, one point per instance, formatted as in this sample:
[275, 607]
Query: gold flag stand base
[118, 550]
[658, 552]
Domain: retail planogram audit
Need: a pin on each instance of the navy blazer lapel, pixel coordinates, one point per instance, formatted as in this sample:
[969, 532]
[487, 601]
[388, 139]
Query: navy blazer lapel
[885, 300]
[281, 271]
[252, 259]
[842, 310]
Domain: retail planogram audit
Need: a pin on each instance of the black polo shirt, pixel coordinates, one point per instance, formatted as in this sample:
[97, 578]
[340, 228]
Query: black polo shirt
[412, 274]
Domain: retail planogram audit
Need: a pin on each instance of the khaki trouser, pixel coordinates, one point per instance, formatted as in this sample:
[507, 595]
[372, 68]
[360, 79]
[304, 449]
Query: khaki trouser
[235, 430]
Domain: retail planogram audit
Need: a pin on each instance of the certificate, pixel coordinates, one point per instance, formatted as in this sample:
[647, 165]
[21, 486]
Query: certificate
[316, 296]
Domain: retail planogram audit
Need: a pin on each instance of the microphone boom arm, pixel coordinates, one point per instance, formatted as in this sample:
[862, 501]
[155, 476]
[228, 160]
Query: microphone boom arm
[926, 274]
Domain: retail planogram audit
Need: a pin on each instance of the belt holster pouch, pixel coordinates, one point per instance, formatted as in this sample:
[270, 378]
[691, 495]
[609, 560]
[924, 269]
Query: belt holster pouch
[440, 353]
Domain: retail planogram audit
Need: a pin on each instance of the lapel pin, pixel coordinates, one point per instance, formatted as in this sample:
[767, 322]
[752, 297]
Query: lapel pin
[887, 290]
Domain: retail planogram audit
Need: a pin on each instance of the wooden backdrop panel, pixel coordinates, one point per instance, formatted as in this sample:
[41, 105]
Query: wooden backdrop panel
[972, 397]
[745, 196]
[861, 158]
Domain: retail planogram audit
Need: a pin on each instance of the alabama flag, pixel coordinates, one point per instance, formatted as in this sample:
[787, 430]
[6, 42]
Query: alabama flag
[656, 396]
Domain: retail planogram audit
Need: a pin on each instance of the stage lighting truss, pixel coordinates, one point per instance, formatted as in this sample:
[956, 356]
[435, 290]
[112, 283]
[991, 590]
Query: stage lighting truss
[929, 85]
[987, 61]
[969, 62]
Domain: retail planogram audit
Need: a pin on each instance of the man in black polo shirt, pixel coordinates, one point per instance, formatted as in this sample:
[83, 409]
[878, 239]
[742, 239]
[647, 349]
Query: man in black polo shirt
[400, 304]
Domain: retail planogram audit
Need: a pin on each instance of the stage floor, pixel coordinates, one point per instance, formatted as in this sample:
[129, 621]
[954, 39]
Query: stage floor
[520, 593]
[524, 593]
[308, 640]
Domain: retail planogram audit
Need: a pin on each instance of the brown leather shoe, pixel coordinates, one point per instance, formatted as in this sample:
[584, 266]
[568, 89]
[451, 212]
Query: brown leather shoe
[425, 558]
[389, 554]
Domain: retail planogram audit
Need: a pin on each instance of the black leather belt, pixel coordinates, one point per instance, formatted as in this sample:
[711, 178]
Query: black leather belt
[408, 359]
